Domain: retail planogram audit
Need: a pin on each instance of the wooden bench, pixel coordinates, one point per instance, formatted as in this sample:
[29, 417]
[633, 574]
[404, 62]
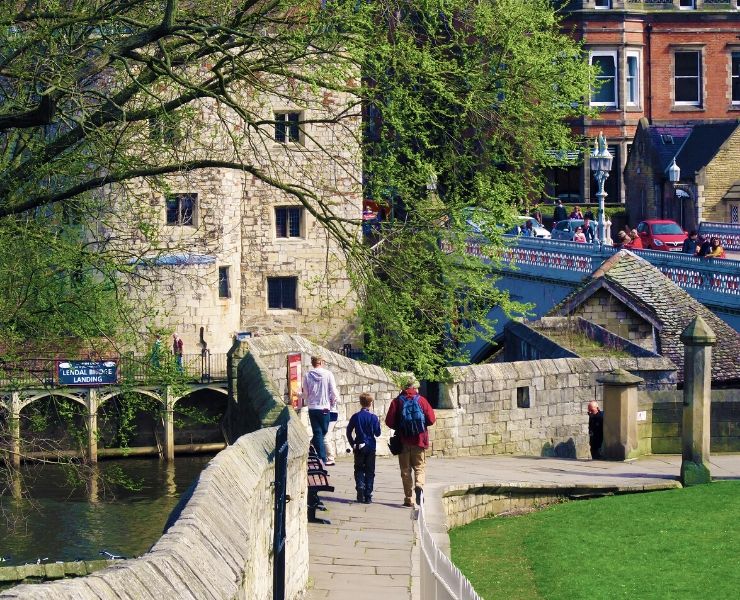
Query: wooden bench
[318, 481]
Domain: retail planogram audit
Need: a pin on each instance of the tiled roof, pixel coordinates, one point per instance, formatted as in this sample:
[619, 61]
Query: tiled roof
[703, 143]
[694, 146]
[673, 308]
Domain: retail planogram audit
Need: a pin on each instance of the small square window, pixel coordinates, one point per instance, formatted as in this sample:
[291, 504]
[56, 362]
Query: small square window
[281, 292]
[224, 285]
[687, 4]
[603, 3]
[522, 397]
[287, 130]
[181, 209]
[288, 221]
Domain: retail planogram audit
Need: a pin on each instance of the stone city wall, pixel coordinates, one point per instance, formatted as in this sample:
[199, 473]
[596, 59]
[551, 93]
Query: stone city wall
[268, 357]
[536, 408]
[220, 546]
[660, 432]
[480, 413]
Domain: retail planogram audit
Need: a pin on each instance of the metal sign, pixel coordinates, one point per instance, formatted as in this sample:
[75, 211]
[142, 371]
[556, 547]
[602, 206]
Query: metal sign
[87, 372]
[294, 379]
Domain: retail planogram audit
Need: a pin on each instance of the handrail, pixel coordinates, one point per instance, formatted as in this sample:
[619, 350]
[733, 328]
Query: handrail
[439, 577]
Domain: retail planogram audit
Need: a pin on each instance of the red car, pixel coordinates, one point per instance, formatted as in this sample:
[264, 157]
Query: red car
[661, 234]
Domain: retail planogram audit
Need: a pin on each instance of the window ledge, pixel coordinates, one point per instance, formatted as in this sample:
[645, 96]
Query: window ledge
[734, 107]
[687, 108]
[290, 240]
[283, 310]
[633, 109]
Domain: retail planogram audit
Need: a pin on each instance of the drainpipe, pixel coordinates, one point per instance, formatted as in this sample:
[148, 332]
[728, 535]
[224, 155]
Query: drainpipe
[649, 29]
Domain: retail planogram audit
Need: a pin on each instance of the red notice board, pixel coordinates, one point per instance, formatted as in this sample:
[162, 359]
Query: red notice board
[294, 379]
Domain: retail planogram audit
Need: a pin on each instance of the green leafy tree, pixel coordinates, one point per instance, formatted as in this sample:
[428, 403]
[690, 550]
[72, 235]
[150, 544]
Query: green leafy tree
[475, 95]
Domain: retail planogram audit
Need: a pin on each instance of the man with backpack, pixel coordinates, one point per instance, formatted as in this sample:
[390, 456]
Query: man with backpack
[410, 415]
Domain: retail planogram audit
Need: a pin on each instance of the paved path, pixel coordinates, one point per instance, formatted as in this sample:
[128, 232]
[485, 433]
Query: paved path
[369, 551]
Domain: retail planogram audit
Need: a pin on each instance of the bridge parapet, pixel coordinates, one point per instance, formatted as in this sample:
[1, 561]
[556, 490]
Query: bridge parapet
[715, 282]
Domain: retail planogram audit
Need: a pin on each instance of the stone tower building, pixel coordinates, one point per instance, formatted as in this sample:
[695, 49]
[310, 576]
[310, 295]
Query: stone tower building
[218, 251]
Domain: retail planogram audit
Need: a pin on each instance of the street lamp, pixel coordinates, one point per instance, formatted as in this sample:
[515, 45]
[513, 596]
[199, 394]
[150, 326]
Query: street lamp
[681, 192]
[601, 164]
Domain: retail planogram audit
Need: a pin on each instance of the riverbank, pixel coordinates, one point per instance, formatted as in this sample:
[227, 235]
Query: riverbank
[119, 505]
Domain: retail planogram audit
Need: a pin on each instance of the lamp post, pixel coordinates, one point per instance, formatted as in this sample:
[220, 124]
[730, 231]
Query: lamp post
[681, 192]
[600, 162]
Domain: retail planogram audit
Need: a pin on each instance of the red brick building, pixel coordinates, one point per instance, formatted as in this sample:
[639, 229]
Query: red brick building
[671, 61]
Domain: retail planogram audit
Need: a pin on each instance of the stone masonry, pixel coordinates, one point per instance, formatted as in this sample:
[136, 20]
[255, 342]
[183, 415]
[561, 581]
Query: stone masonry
[220, 546]
[234, 226]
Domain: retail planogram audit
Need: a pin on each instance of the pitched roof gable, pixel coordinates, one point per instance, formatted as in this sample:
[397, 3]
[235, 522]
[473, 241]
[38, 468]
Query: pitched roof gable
[656, 298]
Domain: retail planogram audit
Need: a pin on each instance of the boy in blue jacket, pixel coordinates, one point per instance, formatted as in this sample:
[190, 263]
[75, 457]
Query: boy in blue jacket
[362, 430]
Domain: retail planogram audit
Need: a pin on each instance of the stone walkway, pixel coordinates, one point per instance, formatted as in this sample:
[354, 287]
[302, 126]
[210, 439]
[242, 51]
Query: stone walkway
[369, 552]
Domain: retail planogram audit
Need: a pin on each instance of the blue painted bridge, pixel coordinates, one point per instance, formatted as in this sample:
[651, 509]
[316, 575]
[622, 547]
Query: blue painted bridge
[544, 272]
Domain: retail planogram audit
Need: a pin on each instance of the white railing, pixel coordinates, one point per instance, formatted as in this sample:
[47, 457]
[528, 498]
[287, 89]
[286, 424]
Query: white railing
[440, 579]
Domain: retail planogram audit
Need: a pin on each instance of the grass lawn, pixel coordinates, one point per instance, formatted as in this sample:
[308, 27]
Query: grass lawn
[681, 543]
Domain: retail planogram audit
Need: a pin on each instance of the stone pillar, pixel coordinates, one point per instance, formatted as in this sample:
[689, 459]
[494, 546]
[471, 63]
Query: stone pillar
[698, 340]
[91, 402]
[620, 414]
[169, 424]
[14, 424]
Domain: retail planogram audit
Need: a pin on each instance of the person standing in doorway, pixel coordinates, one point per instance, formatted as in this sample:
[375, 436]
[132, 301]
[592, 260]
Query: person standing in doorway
[411, 415]
[177, 350]
[321, 396]
[595, 429]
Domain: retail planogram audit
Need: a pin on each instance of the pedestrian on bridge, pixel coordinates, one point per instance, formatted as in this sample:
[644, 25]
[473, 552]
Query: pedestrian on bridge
[321, 396]
[560, 213]
[177, 347]
[410, 415]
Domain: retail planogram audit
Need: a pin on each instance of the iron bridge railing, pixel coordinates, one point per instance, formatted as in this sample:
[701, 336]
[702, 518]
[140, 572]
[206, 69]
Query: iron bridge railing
[43, 371]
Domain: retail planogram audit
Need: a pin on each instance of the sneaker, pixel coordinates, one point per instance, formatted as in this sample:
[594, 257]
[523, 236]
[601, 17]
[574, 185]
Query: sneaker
[408, 502]
[368, 500]
[329, 462]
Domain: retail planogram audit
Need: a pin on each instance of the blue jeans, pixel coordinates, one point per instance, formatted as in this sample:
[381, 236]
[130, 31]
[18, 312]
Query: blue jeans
[320, 426]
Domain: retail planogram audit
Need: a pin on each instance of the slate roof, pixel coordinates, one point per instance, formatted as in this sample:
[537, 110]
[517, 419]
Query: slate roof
[701, 146]
[654, 296]
[694, 146]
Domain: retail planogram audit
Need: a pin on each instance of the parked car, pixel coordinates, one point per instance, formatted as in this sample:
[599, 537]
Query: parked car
[565, 230]
[661, 234]
[539, 230]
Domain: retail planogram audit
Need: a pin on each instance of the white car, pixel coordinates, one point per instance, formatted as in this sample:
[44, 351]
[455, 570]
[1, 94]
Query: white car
[539, 230]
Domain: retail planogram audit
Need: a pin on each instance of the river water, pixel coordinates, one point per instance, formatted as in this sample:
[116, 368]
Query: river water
[60, 521]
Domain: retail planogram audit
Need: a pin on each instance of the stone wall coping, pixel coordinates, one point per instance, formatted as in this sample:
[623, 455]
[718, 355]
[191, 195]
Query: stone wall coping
[287, 343]
[183, 563]
[438, 517]
[557, 366]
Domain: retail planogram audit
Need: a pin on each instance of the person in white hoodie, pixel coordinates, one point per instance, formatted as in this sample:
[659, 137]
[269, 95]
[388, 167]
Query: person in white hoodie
[321, 396]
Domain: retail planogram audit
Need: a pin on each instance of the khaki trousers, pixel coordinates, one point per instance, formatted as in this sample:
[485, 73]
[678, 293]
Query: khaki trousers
[412, 458]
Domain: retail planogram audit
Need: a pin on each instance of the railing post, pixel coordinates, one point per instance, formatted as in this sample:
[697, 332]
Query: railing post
[91, 402]
[281, 479]
[169, 424]
[15, 429]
